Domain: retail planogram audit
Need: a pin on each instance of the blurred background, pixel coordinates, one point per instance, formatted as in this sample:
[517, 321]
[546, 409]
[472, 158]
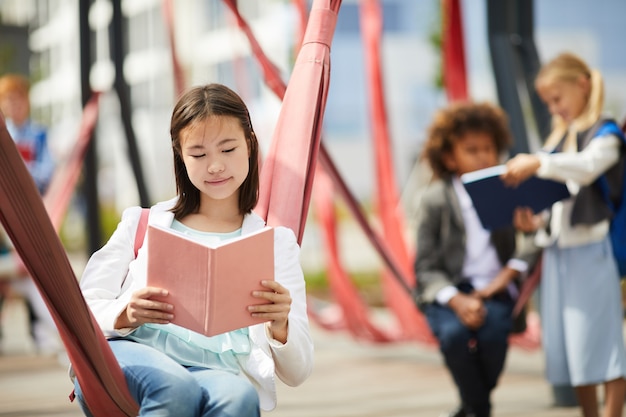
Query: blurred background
[43, 39]
[133, 52]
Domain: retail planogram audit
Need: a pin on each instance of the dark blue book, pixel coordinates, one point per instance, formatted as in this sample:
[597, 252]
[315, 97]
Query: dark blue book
[495, 201]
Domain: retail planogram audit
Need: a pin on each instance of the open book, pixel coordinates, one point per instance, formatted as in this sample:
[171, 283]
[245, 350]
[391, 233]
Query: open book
[210, 286]
[495, 201]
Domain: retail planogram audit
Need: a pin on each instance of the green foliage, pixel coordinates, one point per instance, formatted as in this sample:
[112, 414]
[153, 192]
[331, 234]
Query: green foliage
[7, 55]
[435, 39]
[109, 218]
[73, 233]
[367, 285]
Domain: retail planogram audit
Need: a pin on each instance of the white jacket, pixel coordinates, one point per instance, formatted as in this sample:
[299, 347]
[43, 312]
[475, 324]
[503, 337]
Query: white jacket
[576, 169]
[113, 274]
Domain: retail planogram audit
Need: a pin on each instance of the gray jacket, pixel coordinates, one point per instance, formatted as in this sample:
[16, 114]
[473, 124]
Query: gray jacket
[441, 242]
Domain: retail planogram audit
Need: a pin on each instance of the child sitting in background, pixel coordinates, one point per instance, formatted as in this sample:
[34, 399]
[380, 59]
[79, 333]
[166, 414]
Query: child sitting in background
[465, 273]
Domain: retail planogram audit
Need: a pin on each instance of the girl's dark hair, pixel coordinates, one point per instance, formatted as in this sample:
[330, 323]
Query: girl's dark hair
[197, 104]
[452, 123]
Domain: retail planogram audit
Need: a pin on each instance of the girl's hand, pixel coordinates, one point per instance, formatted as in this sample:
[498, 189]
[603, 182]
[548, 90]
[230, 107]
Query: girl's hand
[519, 168]
[498, 284]
[525, 220]
[142, 309]
[276, 311]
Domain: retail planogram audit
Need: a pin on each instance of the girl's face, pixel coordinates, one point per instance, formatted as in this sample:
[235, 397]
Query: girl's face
[215, 154]
[472, 151]
[565, 99]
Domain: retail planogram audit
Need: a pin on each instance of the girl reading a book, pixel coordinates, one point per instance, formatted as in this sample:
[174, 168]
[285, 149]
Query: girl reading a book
[466, 275]
[581, 307]
[169, 369]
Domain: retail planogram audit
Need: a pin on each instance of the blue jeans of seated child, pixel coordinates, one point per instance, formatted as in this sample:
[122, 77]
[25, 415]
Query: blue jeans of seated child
[162, 387]
[474, 358]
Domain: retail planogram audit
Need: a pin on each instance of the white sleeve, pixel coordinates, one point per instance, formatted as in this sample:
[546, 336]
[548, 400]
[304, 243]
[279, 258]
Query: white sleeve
[445, 294]
[294, 359]
[581, 167]
[105, 282]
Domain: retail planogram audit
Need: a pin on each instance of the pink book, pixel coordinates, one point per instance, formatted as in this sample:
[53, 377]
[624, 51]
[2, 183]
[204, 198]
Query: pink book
[210, 286]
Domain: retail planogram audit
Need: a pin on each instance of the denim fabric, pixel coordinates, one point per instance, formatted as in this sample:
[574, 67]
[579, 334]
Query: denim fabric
[474, 358]
[164, 388]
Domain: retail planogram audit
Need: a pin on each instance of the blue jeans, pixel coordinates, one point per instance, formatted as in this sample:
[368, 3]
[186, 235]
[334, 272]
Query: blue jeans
[162, 387]
[474, 358]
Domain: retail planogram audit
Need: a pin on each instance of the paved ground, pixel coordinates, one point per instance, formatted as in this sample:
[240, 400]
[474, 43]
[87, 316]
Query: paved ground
[361, 380]
[350, 380]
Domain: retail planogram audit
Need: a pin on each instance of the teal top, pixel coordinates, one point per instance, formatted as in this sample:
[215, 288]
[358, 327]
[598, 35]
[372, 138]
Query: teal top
[190, 348]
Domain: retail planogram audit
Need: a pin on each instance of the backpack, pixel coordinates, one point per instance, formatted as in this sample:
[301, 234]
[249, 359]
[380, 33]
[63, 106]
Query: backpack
[617, 230]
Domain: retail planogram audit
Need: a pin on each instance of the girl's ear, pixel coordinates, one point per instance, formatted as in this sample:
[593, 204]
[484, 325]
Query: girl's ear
[584, 83]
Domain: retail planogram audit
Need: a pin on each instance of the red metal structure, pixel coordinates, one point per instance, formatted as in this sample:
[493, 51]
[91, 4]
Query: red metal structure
[288, 172]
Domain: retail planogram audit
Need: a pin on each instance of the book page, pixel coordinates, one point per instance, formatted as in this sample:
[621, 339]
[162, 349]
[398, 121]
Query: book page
[210, 287]
[494, 171]
[239, 270]
[180, 265]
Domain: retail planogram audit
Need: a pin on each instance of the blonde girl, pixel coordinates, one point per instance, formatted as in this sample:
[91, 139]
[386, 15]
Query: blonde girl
[580, 291]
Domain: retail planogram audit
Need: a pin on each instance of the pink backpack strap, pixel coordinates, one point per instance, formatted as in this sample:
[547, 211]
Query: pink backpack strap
[141, 229]
[139, 237]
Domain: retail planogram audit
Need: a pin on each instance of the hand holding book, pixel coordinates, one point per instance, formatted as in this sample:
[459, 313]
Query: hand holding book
[275, 309]
[526, 221]
[496, 201]
[144, 307]
[212, 286]
[520, 168]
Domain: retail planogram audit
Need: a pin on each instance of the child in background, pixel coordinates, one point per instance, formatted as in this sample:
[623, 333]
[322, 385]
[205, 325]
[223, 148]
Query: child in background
[31, 141]
[30, 138]
[171, 370]
[580, 287]
[466, 274]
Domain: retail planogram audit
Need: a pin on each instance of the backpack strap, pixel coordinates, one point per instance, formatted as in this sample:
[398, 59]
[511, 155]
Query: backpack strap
[610, 127]
[141, 229]
[602, 126]
[139, 237]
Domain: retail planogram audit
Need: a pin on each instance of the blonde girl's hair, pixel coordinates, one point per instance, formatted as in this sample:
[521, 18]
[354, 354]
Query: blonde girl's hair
[568, 68]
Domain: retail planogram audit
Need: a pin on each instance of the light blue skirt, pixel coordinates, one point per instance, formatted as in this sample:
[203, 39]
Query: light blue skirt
[581, 315]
